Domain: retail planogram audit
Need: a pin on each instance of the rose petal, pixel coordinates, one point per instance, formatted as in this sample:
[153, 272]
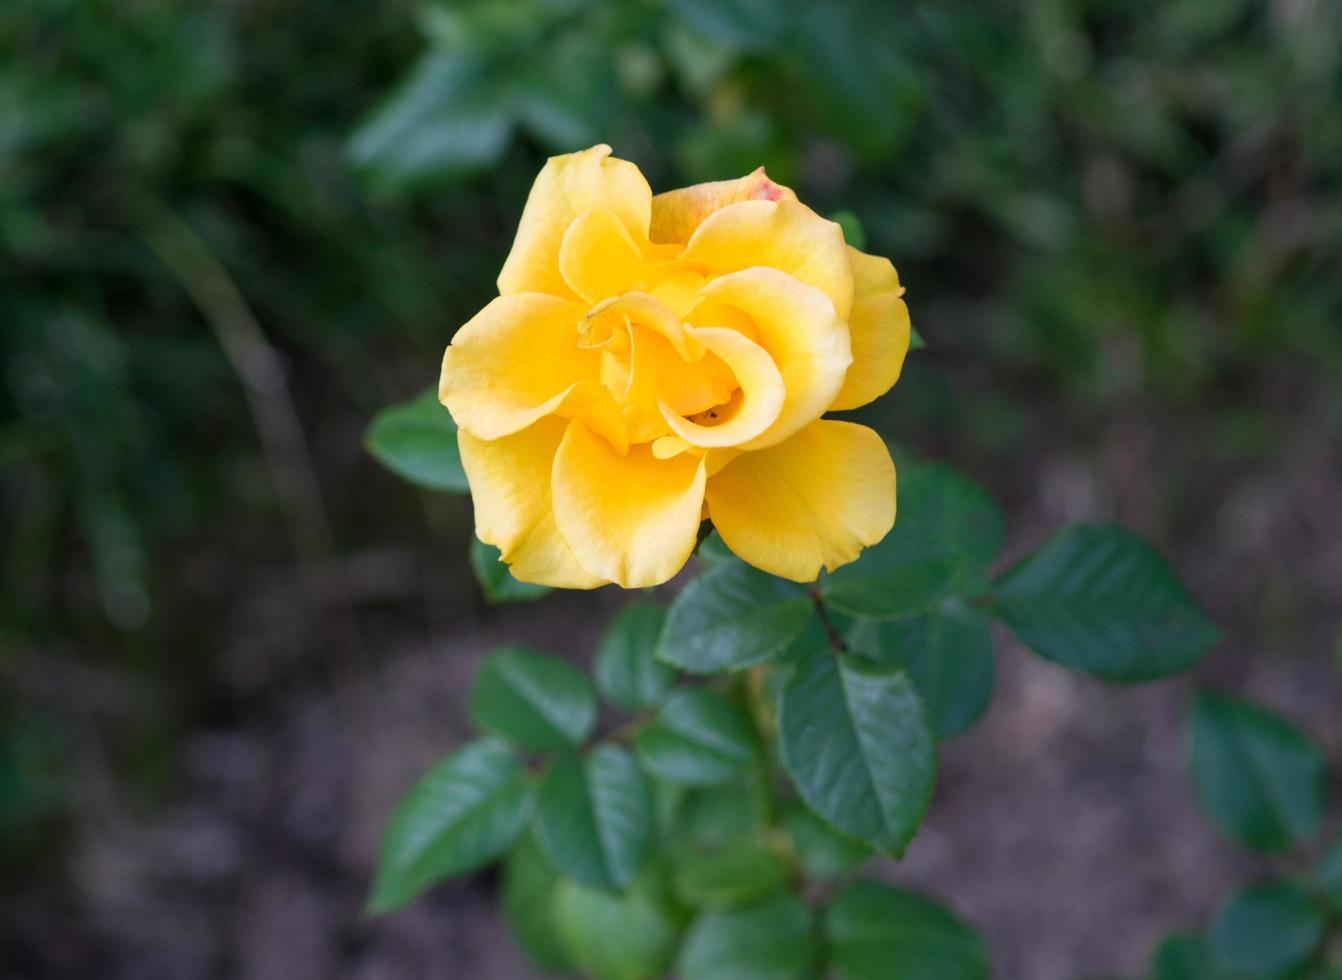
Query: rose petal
[632, 519]
[676, 214]
[879, 326]
[510, 487]
[813, 501]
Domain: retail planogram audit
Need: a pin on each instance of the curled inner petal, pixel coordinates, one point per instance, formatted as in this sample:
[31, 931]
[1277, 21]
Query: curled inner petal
[749, 410]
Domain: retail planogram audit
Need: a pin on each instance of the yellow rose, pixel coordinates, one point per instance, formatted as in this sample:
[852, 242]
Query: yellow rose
[654, 361]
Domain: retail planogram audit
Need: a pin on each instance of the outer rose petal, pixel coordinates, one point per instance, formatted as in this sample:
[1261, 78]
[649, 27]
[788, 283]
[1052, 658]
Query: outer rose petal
[816, 500]
[879, 325]
[786, 235]
[632, 519]
[567, 186]
[675, 214]
[518, 360]
[797, 325]
[510, 486]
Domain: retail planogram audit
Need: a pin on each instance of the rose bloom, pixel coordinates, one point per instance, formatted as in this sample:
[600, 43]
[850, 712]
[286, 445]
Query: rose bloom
[655, 361]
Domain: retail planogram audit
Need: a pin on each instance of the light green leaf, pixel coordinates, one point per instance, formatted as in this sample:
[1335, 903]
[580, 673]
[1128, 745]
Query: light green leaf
[529, 886]
[1259, 777]
[857, 743]
[533, 699]
[1267, 930]
[627, 670]
[594, 817]
[739, 874]
[821, 851]
[732, 616]
[446, 120]
[908, 572]
[717, 816]
[771, 941]
[696, 738]
[916, 341]
[851, 224]
[618, 937]
[465, 811]
[876, 931]
[496, 581]
[417, 440]
[947, 653]
[1099, 599]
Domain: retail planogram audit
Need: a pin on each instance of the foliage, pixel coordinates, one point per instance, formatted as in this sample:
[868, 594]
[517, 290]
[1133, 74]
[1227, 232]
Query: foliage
[818, 710]
[1263, 783]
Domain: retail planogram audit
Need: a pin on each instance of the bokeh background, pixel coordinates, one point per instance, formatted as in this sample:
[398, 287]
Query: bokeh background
[230, 231]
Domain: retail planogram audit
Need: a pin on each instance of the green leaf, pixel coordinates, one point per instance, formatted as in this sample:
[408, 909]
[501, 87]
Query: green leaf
[1267, 929]
[947, 653]
[1259, 777]
[1098, 599]
[771, 941]
[852, 229]
[732, 616]
[496, 581]
[417, 440]
[627, 672]
[857, 743]
[908, 572]
[444, 121]
[1185, 957]
[876, 931]
[529, 886]
[465, 811]
[916, 341]
[714, 817]
[533, 699]
[617, 937]
[594, 817]
[740, 874]
[1329, 874]
[821, 851]
[954, 509]
[696, 738]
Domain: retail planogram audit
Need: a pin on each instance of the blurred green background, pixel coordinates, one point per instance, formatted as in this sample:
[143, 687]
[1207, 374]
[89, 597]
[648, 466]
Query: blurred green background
[229, 232]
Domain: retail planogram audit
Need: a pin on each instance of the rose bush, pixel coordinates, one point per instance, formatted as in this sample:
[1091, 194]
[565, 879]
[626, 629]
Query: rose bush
[654, 361]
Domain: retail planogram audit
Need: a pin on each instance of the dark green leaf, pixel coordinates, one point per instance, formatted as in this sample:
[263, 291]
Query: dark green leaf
[953, 508]
[529, 886]
[732, 616]
[1260, 778]
[696, 738]
[772, 941]
[444, 121]
[1267, 929]
[627, 670]
[908, 572]
[594, 817]
[465, 811]
[1098, 599]
[417, 440]
[857, 743]
[947, 653]
[876, 931]
[740, 874]
[618, 937]
[496, 582]
[1185, 957]
[714, 817]
[533, 699]
[1329, 873]
[821, 851]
